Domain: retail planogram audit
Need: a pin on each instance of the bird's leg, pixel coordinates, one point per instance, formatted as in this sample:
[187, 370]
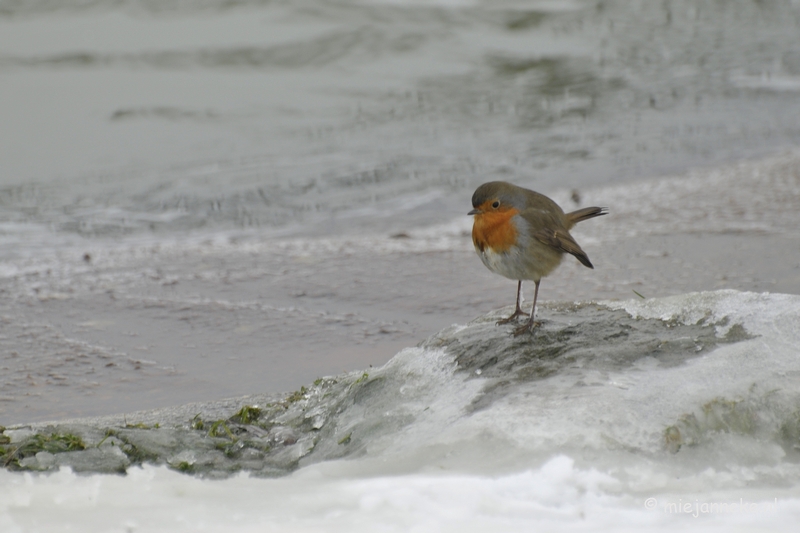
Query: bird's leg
[530, 324]
[517, 311]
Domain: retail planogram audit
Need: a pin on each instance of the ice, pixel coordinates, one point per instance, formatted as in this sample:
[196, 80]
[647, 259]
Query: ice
[559, 495]
[681, 408]
[670, 398]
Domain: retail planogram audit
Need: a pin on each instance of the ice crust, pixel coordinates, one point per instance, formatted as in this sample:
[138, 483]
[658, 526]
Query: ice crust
[669, 380]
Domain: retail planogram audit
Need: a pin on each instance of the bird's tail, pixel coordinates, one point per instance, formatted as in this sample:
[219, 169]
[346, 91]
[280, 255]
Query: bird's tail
[585, 214]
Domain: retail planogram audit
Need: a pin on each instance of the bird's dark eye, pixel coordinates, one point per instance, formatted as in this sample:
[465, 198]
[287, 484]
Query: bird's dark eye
[496, 204]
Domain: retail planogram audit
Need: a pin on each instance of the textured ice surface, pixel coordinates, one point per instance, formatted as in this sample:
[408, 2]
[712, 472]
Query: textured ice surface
[611, 409]
[681, 375]
[559, 495]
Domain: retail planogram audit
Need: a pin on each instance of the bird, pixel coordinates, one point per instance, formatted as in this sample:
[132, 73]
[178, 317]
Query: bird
[523, 235]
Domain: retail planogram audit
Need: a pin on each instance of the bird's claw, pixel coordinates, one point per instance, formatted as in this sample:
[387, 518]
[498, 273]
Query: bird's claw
[512, 318]
[528, 327]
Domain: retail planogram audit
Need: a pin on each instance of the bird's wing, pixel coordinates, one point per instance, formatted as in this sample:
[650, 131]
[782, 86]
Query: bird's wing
[560, 239]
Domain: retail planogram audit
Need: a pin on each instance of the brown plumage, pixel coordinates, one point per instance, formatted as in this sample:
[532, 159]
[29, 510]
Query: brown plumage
[523, 235]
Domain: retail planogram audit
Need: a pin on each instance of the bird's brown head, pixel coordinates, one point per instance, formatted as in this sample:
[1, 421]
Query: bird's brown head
[496, 197]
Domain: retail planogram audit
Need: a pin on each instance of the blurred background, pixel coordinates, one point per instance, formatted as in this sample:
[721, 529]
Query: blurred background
[202, 199]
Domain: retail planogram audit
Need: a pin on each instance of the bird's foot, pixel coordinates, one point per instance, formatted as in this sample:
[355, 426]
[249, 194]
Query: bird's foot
[528, 327]
[512, 318]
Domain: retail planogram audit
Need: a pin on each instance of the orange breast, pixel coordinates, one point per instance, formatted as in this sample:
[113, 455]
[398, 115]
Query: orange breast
[495, 230]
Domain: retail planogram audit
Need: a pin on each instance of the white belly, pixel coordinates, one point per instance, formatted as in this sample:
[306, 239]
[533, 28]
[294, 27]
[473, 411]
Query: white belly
[513, 264]
[508, 263]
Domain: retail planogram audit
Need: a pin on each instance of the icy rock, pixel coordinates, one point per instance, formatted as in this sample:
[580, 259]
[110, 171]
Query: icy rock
[109, 459]
[45, 459]
[461, 370]
[18, 435]
[282, 436]
[184, 459]
[31, 463]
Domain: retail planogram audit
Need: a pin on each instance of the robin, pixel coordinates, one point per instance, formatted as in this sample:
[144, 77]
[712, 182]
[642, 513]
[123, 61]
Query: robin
[521, 234]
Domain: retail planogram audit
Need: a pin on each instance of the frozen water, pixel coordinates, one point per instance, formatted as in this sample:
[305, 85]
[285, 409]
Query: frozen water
[613, 409]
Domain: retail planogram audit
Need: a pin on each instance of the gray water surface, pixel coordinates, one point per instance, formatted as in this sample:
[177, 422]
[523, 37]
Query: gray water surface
[130, 117]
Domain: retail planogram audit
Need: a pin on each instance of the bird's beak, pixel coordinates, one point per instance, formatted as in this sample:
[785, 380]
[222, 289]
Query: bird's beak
[475, 212]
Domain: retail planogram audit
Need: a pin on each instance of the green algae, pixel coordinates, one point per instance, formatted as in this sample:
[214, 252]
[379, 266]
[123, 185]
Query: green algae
[247, 415]
[40, 442]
